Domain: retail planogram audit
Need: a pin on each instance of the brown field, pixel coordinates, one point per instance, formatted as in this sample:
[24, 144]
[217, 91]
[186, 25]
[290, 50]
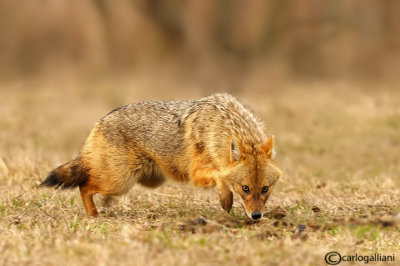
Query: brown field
[338, 145]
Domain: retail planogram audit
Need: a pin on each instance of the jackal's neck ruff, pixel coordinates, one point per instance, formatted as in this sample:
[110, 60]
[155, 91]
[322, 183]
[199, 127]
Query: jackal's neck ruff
[213, 122]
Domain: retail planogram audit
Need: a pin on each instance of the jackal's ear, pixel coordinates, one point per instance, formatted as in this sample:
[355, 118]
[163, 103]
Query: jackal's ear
[235, 151]
[268, 148]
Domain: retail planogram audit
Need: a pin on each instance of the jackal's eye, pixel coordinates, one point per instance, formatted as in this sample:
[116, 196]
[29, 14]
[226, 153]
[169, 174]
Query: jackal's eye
[246, 189]
[264, 189]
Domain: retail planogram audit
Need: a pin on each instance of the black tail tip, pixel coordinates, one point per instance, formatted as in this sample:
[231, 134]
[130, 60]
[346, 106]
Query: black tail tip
[51, 181]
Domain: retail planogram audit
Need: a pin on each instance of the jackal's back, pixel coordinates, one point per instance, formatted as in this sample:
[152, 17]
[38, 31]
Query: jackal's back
[167, 128]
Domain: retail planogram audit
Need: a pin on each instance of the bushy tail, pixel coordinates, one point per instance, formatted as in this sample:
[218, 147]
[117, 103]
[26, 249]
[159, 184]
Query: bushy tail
[68, 175]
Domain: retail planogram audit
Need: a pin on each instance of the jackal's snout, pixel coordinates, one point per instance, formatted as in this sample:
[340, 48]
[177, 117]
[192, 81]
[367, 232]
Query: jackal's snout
[256, 215]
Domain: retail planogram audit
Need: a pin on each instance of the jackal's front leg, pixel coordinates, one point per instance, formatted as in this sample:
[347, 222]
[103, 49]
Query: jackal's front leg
[204, 177]
[225, 196]
[209, 177]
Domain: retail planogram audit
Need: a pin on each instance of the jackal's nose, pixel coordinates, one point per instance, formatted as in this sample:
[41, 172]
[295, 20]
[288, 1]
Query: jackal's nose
[256, 215]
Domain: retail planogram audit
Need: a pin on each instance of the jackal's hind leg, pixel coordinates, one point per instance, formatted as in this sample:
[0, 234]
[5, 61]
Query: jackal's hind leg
[107, 200]
[87, 199]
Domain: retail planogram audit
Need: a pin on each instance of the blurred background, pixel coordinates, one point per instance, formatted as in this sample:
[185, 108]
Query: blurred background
[306, 67]
[201, 45]
[299, 64]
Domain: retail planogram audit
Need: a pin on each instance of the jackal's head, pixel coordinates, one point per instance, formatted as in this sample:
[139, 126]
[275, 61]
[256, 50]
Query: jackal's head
[253, 175]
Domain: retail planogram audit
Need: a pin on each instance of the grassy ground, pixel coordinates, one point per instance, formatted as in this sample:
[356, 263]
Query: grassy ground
[338, 146]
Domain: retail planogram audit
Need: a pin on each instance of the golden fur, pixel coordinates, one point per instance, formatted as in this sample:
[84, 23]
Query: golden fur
[211, 142]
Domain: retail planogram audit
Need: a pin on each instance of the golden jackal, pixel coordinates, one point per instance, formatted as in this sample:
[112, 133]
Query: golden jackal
[213, 141]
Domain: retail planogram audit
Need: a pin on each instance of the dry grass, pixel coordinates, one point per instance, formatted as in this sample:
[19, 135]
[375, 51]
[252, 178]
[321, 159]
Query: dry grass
[338, 146]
